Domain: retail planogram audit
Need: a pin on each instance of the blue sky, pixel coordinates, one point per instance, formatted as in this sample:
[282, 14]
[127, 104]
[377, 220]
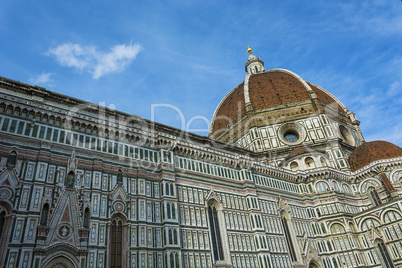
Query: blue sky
[133, 55]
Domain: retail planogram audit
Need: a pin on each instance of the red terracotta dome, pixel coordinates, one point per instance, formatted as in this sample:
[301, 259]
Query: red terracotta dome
[372, 151]
[266, 90]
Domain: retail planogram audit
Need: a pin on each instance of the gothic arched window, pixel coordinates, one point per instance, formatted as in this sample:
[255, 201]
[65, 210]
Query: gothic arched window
[44, 215]
[171, 189]
[386, 258]
[170, 236]
[11, 160]
[86, 218]
[173, 208]
[335, 262]
[116, 248]
[309, 162]
[171, 260]
[288, 239]
[119, 177]
[169, 211]
[70, 179]
[176, 259]
[167, 189]
[215, 233]
[375, 198]
[175, 236]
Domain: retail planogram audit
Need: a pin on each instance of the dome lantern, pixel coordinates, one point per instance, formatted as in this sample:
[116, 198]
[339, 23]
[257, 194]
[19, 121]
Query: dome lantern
[254, 65]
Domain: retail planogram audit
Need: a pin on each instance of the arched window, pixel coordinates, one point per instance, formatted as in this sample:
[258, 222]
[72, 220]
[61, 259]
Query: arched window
[335, 263]
[309, 162]
[173, 207]
[70, 179]
[171, 189]
[374, 197]
[44, 215]
[215, 233]
[294, 166]
[167, 189]
[116, 248]
[119, 177]
[346, 189]
[385, 257]
[321, 187]
[288, 239]
[86, 218]
[169, 211]
[337, 228]
[323, 162]
[346, 135]
[171, 260]
[170, 236]
[11, 160]
[175, 236]
[176, 259]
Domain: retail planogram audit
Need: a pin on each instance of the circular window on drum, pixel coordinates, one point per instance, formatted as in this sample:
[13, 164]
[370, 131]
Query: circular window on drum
[346, 135]
[291, 136]
[292, 133]
[294, 166]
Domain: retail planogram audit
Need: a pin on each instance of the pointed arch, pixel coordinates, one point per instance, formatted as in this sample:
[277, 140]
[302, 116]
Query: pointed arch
[171, 189]
[86, 218]
[119, 177]
[313, 264]
[171, 259]
[215, 231]
[11, 160]
[374, 197]
[70, 180]
[44, 214]
[116, 243]
[383, 253]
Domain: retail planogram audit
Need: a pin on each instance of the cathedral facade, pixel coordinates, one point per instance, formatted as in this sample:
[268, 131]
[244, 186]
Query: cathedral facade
[284, 179]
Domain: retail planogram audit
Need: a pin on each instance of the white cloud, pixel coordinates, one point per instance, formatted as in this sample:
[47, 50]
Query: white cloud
[88, 58]
[41, 79]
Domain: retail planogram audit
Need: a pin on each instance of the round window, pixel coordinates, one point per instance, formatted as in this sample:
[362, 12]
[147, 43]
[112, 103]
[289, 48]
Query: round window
[291, 133]
[291, 136]
[346, 135]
